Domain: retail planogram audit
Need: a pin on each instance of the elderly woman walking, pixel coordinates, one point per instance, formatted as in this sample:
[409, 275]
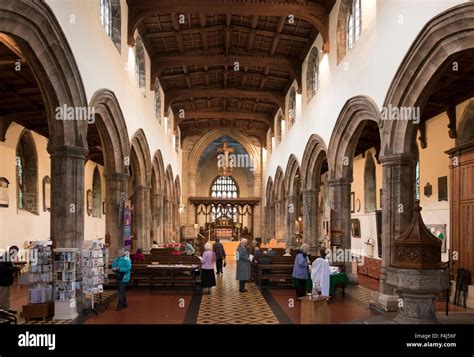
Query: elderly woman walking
[208, 279]
[243, 265]
[301, 270]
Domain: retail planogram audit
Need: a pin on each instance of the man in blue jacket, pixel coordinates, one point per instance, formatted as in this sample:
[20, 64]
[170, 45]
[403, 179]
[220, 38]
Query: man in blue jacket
[122, 266]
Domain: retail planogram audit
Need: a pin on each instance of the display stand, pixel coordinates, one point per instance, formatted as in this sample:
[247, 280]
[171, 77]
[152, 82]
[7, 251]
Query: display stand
[94, 263]
[39, 278]
[65, 263]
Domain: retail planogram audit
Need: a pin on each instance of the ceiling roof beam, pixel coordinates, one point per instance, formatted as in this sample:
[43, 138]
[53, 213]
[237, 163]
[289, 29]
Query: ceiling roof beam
[173, 96]
[315, 13]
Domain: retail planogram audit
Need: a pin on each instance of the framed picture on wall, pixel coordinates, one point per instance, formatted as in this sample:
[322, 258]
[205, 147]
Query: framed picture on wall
[353, 202]
[443, 188]
[4, 192]
[355, 228]
[439, 230]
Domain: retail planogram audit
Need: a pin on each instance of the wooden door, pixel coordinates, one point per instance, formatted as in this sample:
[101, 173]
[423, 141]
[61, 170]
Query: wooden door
[462, 206]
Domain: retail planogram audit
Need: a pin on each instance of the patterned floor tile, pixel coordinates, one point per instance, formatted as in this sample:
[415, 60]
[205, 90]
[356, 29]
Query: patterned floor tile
[227, 305]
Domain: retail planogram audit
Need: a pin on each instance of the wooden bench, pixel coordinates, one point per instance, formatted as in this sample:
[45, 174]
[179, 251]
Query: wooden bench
[170, 269]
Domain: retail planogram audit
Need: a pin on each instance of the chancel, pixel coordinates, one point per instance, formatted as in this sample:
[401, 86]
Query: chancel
[143, 142]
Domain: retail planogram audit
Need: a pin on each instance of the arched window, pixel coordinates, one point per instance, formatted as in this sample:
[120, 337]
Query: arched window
[140, 62]
[96, 194]
[312, 73]
[224, 187]
[110, 17]
[158, 100]
[292, 106]
[27, 174]
[353, 24]
[369, 184]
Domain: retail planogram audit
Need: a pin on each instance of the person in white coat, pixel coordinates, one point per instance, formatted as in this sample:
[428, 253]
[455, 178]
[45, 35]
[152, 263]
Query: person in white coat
[320, 274]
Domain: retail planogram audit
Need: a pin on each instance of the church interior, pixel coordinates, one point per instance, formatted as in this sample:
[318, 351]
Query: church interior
[146, 134]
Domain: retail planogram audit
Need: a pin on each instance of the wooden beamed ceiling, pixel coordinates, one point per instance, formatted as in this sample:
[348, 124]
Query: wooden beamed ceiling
[227, 62]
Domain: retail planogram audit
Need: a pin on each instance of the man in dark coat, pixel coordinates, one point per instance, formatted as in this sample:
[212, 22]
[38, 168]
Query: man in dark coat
[6, 278]
[220, 255]
[243, 265]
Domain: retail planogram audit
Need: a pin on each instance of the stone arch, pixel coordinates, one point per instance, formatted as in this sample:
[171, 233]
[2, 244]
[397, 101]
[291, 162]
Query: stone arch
[313, 158]
[35, 29]
[279, 184]
[292, 175]
[170, 205]
[140, 159]
[447, 34]
[350, 124]
[443, 38]
[293, 186]
[212, 135]
[370, 195]
[27, 173]
[157, 197]
[159, 173]
[140, 163]
[279, 203]
[112, 130]
[269, 210]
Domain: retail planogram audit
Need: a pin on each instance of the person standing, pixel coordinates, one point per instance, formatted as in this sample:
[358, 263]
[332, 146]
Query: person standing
[122, 265]
[6, 279]
[220, 255]
[301, 270]
[243, 265]
[208, 279]
[320, 274]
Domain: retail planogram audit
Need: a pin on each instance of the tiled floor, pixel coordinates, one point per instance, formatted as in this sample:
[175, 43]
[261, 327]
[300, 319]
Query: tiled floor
[226, 305]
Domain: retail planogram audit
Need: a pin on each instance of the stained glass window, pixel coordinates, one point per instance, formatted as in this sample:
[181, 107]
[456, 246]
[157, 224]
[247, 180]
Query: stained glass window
[224, 187]
[312, 74]
[353, 25]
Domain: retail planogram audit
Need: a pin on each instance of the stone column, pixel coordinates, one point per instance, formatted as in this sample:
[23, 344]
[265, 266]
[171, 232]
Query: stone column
[115, 194]
[398, 195]
[280, 220]
[67, 196]
[159, 217]
[311, 219]
[176, 221]
[168, 221]
[190, 188]
[257, 210]
[291, 211]
[340, 202]
[141, 216]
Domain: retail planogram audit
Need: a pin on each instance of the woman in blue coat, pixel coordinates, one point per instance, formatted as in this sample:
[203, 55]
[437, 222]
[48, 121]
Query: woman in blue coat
[122, 266]
[243, 265]
[301, 270]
